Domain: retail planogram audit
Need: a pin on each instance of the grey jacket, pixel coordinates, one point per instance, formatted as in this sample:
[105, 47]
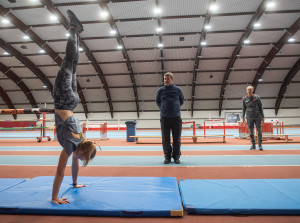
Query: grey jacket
[252, 107]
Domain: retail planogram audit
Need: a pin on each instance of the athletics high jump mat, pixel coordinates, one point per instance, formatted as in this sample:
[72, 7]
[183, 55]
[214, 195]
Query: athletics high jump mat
[103, 196]
[241, 196]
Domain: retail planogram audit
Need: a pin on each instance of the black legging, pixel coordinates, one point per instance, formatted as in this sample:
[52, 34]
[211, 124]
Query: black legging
[65, 88]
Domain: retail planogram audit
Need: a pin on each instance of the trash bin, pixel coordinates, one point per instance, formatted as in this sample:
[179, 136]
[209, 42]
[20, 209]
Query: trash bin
[31, 126]
[131, 130]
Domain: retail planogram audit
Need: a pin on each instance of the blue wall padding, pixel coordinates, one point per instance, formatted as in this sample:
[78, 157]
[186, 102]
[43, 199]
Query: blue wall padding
[6, 183]
[104, 196]
[247, 196]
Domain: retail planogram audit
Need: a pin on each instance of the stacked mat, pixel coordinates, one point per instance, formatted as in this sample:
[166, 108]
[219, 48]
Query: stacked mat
[104, 196]
[10, 182]
[247, 196]
[151, 196]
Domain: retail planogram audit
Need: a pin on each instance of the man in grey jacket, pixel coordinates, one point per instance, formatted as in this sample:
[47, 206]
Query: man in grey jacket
[169, 99]
[252, 106]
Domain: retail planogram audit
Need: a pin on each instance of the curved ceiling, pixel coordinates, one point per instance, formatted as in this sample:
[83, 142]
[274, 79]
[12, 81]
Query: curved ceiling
[214, 54]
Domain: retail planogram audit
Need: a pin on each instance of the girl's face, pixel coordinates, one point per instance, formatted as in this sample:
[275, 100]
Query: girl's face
[78, 154]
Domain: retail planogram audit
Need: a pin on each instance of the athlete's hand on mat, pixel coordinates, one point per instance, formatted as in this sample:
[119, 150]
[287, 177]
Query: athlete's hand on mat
[61, 201]
[79, 186]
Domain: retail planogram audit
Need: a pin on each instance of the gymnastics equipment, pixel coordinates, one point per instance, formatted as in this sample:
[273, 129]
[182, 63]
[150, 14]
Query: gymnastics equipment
[251, 196]
[194, 129]
[42, 128]
[195, 136]
[95, 126]
[267, 129]
[104, 196]
[213, 124]
[26, 111]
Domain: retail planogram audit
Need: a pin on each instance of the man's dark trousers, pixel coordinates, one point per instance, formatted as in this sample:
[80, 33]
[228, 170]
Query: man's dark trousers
[257, 122]
[174, 125]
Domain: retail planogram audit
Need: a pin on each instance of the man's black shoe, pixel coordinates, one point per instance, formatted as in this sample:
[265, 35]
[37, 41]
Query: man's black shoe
[74, 21]
[167, 161]
[177, 161]
[260, 148]
[252, 147]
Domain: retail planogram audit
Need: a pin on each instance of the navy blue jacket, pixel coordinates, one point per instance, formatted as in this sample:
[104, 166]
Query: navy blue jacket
[169, 100]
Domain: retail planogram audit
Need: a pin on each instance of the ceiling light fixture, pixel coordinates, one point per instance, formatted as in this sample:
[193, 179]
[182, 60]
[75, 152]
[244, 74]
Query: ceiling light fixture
[291, 39]
[42, 51]
[80, 49]
[157, 10]
[203, 43]
[25, 37]
[113, 32]
[5, 53]
[246, 41]
[207, 27]
[213, 7]
[119, 47]
[271, 4]
[53, 17]
[159, 29]
[257, 24]
[5, 21]
[160, 45]
[104, 14]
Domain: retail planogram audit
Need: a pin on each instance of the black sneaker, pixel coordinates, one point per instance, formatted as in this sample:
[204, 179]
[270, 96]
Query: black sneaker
[167, 161]
[177, 161]
[252, 147]
[260, 148]
[74, 21]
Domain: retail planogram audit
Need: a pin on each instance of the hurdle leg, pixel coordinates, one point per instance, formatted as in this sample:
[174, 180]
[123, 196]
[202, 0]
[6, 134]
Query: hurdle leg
[137, 140]
[194, 139]
[224, 139]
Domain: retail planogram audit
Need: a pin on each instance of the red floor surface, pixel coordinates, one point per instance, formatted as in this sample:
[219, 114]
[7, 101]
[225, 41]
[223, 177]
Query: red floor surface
[179, 172]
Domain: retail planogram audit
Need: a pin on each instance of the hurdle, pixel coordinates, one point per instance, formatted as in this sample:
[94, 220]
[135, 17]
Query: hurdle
[194, 136]
[101, 127]
[267, 131]
[194, 130]
[43, 127]
[213, 126]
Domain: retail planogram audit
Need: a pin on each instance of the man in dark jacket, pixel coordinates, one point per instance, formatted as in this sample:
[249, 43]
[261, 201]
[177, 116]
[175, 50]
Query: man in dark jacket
[252, 106]
[169, 99]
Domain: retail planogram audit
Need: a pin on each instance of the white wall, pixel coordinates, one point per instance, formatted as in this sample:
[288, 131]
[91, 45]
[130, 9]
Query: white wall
[151, 119]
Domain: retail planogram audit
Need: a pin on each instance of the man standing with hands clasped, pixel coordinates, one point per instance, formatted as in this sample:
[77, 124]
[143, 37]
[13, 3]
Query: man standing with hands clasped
[254, 113]
[169, 99]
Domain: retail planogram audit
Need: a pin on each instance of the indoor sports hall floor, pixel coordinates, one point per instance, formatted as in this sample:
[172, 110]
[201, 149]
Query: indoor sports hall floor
[25, 158]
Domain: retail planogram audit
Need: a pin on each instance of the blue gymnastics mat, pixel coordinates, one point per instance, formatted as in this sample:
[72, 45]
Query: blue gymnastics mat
[247, 196]
[104, 196]
[6, 183]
